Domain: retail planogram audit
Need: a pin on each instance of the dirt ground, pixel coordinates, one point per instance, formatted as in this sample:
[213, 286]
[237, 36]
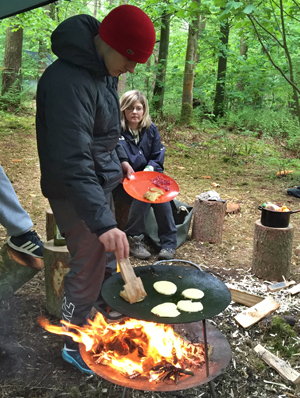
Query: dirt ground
[30, 358]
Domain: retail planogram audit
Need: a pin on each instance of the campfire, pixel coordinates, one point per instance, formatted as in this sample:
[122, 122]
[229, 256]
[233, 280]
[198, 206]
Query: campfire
[135, 348]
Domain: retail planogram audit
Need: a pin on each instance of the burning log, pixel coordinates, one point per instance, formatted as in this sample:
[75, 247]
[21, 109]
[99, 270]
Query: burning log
[169, 371]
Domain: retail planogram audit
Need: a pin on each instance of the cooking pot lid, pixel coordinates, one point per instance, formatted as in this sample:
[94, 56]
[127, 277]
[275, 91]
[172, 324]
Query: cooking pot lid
[216, 294]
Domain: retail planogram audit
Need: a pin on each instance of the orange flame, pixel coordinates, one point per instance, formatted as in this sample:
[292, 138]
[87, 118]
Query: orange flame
[132, 345]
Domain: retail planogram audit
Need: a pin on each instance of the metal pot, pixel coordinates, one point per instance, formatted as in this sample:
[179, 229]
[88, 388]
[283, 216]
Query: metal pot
[275, 219]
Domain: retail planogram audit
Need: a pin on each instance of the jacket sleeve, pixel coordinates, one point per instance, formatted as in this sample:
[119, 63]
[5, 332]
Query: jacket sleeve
[69, 120]
[158, 150]
[122, 155]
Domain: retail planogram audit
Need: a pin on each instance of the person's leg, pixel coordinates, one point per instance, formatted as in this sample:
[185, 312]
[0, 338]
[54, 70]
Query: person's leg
[12, 215]
[167, 231]
[17, 221]
[135, 229]
[83, 282]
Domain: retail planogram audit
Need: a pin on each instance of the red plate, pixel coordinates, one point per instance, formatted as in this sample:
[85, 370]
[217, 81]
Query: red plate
[140, 183]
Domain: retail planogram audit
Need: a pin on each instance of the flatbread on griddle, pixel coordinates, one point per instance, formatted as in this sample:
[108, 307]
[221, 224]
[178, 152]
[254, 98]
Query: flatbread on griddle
[167, 310]
[189, 306]
[193, 294]
[165, 287]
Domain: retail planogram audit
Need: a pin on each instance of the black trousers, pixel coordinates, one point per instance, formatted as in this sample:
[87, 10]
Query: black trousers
[90, 264]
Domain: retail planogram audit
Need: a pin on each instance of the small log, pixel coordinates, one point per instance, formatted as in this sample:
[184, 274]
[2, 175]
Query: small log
[56, 267]
[208, 220]
[278, 364]
[243, 297]
[254, 314]
[15, 270]
[272, 252]
[294, 289]
[49, 225]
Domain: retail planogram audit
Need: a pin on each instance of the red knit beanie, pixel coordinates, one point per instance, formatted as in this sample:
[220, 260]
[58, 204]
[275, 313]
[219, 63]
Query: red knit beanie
[128, 30]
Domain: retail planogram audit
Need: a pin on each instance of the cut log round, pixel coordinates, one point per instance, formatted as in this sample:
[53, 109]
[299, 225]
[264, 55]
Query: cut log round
[16, 270]
[56, 267]
[208, 220]
[272, 252]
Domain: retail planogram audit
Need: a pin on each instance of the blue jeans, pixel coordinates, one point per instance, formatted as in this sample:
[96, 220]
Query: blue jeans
[13, 217]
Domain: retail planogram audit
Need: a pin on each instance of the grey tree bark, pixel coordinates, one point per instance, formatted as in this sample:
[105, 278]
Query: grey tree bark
[159, 88]
[219, 102]
[186, 116]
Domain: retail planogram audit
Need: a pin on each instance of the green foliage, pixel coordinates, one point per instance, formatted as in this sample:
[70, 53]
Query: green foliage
[285, 339]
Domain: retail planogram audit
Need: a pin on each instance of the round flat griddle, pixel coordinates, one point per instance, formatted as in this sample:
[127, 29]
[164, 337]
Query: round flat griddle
[216, 294]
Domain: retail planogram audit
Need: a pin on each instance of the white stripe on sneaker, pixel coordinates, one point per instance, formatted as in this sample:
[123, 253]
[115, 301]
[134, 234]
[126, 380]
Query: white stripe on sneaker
[29, 246]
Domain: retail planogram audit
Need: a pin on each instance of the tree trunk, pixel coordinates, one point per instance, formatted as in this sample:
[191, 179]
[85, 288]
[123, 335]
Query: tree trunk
[186, 116]
[272, 252]
[95, 11]
[243, 53]
[159, 88]
[11, 76]
[219, 103]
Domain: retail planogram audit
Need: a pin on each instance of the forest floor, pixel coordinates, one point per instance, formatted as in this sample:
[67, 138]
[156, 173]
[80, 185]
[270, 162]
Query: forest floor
[30, 358]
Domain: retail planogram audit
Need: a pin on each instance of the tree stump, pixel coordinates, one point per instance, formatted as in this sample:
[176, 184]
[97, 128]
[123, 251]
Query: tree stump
[49, 225]
[56, 267]
[15, 270]
[272, 252]
[121, 214]
[208, 220]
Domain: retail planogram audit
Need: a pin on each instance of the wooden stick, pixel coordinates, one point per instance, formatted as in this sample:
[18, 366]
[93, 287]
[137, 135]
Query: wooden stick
[278, 364]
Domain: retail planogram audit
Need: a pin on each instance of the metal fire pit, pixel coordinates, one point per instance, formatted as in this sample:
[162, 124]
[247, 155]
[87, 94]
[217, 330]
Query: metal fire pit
[195, 332]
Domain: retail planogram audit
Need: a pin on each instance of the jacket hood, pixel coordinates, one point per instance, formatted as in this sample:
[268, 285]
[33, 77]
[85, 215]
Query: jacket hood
[73, 42]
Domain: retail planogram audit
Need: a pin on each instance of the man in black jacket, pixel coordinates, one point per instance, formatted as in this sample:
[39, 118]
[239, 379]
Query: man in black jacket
[78, 127]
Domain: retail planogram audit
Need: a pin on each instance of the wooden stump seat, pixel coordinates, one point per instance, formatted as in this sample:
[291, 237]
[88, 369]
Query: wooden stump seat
[208, 220]
[56, 268]
[272, 252]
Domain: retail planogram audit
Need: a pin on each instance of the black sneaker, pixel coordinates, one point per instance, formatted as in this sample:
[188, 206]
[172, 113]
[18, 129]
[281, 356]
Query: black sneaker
[28, 243]
[72, 356]
[166, 254]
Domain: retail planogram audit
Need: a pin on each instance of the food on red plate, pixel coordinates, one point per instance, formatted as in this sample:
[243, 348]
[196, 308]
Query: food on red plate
[153, 194]
[161, 182]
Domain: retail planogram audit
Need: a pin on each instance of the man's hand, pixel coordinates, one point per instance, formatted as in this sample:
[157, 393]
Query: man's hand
[127, 169]
[116, 241]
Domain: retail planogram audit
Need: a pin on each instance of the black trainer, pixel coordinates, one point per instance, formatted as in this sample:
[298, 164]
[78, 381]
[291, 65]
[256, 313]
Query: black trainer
[28, 243]
[72, 356]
